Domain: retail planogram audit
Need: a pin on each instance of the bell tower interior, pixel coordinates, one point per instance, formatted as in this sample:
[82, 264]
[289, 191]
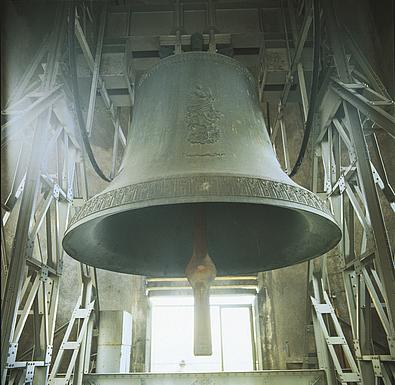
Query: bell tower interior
[197, 192]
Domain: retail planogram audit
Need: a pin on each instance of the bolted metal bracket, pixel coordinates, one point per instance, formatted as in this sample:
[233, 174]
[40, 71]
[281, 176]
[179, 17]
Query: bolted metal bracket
[29, 372]
[48, 355]
[70, 194]
[377, 367]
[358, 267]
[391, 344]
[44, 274]
[59, 268]
[12, 350]
[357, 349]
[342, 184]
[29, 248]
[56, 191]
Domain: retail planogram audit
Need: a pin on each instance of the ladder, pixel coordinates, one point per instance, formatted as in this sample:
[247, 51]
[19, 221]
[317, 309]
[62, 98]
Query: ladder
[81, 315]
[326, 311]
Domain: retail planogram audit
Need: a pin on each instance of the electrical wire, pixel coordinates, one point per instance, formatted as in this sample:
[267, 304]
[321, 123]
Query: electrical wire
[314, 87]
[76, 95]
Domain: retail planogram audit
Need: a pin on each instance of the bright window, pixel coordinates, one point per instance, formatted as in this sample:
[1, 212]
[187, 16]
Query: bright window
[172, 335]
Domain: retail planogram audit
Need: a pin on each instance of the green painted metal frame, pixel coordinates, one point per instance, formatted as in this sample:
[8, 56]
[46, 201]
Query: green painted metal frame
[352, 192]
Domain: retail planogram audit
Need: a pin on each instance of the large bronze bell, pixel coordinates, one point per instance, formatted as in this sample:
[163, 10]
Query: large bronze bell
[198, 139]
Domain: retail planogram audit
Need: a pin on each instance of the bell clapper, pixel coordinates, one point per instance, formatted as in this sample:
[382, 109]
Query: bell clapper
[201, 272]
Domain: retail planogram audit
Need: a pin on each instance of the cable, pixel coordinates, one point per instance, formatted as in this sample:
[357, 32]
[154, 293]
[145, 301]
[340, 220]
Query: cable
[76, 96]
[314, 87]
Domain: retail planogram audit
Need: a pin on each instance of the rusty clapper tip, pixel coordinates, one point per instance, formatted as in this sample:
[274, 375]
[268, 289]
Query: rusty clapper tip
[201, 272]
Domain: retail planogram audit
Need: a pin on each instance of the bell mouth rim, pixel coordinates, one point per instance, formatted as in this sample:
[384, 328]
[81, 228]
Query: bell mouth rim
[198, 200]
[204, 54]
[225, 193]
[331, 226]
[201, 188]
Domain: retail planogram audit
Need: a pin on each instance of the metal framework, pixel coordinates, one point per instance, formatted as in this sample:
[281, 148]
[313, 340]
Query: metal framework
[49, 177]
[352, 104]
[32, 281]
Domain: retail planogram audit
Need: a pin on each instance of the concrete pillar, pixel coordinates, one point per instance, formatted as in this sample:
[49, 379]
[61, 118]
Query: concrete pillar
[115, 342]
[140, 318]
[282, 301]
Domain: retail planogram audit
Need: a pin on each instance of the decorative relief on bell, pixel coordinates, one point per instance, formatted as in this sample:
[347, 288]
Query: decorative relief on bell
[207, 185]
[202, 118]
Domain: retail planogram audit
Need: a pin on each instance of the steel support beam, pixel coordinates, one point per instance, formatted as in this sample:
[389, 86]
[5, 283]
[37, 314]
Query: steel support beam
[369, 109]
[302, 36]
[384, 254]
[100, 82]
[18, 255]
[96, 70]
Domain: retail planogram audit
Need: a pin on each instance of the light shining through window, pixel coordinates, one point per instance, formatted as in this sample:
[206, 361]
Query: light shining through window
[172, 335]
